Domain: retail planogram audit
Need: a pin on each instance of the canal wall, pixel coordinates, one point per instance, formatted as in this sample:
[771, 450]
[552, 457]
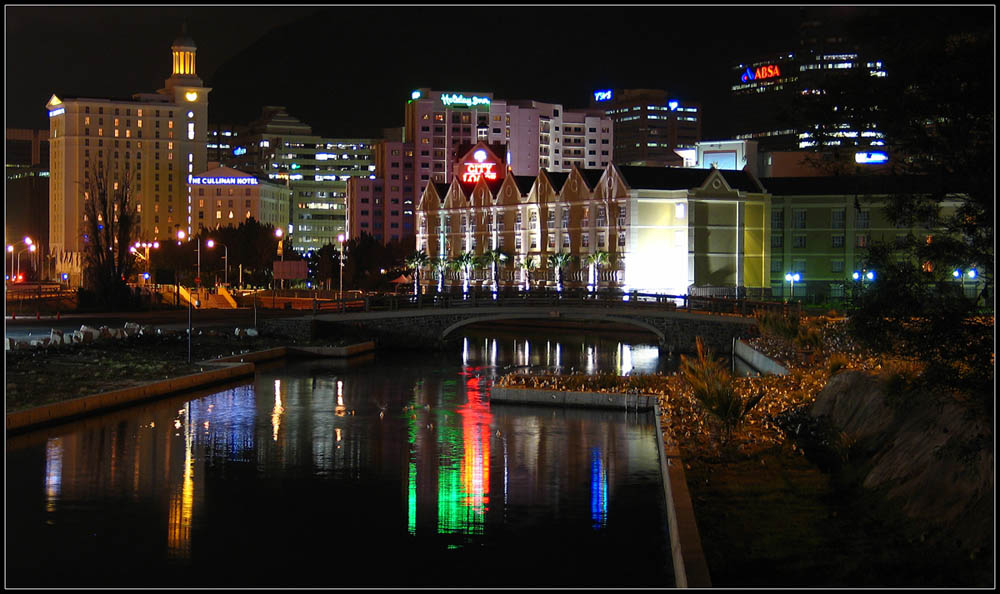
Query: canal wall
[690, 568]
[226, 369]
[758, 361]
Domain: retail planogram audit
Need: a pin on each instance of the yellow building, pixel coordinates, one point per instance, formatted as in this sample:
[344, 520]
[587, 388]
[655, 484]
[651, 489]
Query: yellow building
[664, 229]
[157, 139]
[223, 197]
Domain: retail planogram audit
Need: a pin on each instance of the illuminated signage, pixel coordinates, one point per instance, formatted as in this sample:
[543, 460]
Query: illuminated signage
[476, 171]
[56, 112]
[462, 100]
[602, 95]
[415, 95]
[672, 105]
[762, 72]
[224, 181]
[240, 150]
[872, 157]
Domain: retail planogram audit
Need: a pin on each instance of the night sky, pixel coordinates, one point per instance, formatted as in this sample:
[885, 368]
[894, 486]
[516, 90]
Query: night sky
[348, 71]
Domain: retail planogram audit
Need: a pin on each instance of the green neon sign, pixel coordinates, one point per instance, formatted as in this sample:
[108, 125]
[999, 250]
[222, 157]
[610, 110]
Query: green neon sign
[463, 101]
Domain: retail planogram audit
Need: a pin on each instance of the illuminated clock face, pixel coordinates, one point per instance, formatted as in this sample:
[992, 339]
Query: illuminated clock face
[191, 96]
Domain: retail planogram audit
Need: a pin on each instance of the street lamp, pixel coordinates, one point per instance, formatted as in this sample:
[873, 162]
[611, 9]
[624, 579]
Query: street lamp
[31, 248]
[959, 274]
[862, 275]
[10, 250]
[211, 243]
[791, 277]
[281, 252]
[340, 292]
[144, 244]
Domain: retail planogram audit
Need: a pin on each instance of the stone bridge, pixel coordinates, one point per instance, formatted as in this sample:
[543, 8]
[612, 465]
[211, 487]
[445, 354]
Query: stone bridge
[431, 327]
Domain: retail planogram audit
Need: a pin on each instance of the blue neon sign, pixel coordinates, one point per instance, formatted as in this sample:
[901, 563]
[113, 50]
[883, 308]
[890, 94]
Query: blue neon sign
[604, 95]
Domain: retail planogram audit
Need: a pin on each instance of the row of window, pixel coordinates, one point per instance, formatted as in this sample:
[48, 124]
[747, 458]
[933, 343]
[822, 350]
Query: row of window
[837, 218]
[837, 241]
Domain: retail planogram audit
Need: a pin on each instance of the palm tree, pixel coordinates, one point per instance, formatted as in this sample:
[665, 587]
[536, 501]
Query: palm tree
[417, 261]
[494, 258]
[466, 262]
[440, 265]
[595, 261]
[559, 261]
[528, 265]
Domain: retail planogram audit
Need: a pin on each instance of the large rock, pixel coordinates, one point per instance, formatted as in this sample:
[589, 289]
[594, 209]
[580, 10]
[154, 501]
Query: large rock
[132, 329]
[89, 334]
[56, 336]
[930, 456]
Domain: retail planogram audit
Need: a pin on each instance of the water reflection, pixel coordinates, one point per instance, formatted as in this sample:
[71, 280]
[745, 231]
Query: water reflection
[226, 484]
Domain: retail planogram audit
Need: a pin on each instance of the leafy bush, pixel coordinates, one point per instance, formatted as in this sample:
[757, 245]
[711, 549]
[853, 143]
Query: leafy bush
[714, 389]
[777, 324]
[837, 362]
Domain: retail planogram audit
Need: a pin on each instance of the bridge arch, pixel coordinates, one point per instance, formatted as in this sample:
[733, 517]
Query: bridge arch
[570, 316]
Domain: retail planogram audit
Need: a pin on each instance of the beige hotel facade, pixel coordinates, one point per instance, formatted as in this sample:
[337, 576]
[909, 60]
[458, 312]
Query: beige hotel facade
[157, 139]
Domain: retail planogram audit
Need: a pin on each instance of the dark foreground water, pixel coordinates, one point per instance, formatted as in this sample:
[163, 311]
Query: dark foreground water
[392, 472]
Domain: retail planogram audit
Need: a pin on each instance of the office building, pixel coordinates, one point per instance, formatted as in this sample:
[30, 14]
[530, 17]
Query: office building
[155, 139]
[26, 193]
[316, 169]
[650, 125]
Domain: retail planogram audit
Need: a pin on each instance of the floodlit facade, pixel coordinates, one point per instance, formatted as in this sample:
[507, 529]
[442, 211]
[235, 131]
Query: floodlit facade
[156, 138]
[665, 229]
[224, 197]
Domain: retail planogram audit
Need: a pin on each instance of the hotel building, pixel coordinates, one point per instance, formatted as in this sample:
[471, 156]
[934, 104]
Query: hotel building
[441, 125]
[157, 139]
[316, 169]
[665, 229]
[649, 125]
[225, 197]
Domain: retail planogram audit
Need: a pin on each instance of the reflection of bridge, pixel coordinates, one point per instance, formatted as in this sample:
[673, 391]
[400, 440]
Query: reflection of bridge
[418, 325]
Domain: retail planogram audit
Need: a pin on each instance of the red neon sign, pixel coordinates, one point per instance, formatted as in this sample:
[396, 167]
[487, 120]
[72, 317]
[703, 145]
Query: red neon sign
[475, 171]
[769, 71]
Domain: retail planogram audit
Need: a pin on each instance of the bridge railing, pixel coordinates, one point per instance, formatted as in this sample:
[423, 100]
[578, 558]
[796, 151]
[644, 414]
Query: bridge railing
[550, 298]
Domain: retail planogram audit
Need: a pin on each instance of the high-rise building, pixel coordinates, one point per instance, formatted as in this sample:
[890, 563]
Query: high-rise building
[535, 135]
[26, 193]
[316, 169]
[772, 94]
[155, 139]
[649, 125]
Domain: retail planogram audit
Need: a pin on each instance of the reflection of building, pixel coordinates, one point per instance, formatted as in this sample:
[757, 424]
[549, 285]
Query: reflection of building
[282, 149]
[664, 229]
[156, 138]
[649, 125]
[222, 197]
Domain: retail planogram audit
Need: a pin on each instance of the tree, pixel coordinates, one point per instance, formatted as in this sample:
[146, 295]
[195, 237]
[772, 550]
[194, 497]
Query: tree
[936, 110]
[596, 261]
[559, 261]
[465, 262]
[439, 266]
[528, 265]
[417, 261]
[109, 229]
[493, 259]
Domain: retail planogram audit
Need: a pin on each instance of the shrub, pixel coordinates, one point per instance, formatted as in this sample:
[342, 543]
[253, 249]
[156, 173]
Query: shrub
[714, 389]
[837, 362]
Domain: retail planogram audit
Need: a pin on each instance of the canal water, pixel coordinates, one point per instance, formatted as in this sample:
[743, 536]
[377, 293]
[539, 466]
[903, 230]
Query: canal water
[395, 471]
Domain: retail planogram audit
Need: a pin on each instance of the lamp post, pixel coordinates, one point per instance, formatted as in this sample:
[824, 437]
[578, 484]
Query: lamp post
[31, 248]
[791, 277]
[146, 245]
[960, 274]
[225, 258]
[862, 275]
[10, 250]
[340, 291]
[281, 252]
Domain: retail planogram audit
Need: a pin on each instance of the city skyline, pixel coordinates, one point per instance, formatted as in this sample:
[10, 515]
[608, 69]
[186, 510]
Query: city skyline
[286, 56]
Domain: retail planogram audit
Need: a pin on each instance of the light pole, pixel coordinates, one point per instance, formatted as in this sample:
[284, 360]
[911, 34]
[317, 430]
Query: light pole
[862, 275]
[146, 245]
[960, 274]
[340, 291]
[10, 250]
[225, 258]
[281, 253]
[31, 248]
[791, 277]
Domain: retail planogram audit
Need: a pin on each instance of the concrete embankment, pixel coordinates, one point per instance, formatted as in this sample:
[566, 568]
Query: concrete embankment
[225, 369]
[689, 565]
